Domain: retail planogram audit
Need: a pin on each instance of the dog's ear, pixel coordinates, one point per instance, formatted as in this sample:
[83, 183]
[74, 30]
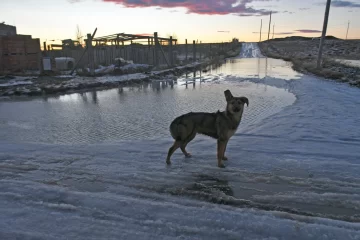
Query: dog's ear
[228, 95]
[245, 100]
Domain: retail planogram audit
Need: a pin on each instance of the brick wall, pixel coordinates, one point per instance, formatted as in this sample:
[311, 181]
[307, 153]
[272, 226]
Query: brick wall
[7, 30]
[19, 53]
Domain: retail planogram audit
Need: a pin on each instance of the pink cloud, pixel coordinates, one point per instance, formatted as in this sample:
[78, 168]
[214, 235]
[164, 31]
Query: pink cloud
[204, 7]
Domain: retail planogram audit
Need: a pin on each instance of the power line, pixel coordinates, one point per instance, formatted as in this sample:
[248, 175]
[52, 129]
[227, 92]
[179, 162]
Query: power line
[260, 29]
[347, 31]
[273, 31]
[269, 26]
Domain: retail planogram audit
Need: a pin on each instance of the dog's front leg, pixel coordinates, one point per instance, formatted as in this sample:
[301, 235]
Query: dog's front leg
[220, 152]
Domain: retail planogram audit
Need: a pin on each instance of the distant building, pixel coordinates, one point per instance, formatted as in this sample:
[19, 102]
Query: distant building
[7, 30]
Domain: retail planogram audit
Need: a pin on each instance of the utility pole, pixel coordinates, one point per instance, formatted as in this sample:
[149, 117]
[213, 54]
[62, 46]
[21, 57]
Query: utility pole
[326, 17]
[347, 31]
[260, 29]
[273, 31]
[269, 26]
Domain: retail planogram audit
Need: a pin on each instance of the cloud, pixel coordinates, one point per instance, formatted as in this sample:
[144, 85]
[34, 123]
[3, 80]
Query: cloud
[204, 7]
[345, 4]
[303, 9]
[288, 12]
[294, 32]
[277, 33]
[308, 31]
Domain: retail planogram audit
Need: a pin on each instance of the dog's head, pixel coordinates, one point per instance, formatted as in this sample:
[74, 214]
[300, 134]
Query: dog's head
[235, 104]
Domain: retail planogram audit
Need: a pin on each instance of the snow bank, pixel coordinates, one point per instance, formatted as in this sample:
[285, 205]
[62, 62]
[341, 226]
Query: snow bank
[123, 192]
[15, 83]
[351, 63]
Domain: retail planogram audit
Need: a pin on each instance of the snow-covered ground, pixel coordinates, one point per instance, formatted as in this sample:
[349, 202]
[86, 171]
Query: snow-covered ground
[93, 166]
[15, 81]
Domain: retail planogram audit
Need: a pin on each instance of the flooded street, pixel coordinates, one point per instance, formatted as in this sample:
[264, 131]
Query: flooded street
[94, 163]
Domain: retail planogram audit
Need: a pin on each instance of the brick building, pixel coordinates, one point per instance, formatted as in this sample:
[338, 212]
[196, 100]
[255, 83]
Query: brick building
[19, 52]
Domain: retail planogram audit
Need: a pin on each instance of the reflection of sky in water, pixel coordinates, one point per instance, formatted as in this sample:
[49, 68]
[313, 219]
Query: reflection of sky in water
[250, 68]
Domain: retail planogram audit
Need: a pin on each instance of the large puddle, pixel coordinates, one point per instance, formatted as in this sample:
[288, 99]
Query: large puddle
[144, 111]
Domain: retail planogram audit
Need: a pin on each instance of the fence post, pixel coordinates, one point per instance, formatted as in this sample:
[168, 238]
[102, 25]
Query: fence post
[200, 50]
[44, 46]
[170, 52]
[148, 51]
[39, 59]
[91, 54]
[186, 50]
[194, 51]
[210, 53]
[156, 49]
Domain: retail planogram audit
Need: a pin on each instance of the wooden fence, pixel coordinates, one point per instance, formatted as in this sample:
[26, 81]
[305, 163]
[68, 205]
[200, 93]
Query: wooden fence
[144, 54]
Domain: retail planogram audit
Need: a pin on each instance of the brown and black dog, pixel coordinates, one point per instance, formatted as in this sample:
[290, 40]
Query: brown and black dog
[219, 125]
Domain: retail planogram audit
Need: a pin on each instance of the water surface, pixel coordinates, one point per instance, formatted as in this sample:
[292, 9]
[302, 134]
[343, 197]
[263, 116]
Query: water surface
[145, 111]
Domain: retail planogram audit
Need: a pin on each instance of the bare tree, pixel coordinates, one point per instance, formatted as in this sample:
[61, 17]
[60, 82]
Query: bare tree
[174, 36]
[79, 36]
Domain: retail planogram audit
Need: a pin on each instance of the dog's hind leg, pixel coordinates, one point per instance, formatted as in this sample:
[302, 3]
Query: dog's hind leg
[172, 149]
[185, 143]
[187, 154]
[224, 157]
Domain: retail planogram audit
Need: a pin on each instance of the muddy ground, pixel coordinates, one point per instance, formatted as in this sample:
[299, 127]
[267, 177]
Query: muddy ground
[302, 52]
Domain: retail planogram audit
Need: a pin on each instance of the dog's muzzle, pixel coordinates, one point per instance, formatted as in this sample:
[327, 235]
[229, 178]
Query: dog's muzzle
[236, 109]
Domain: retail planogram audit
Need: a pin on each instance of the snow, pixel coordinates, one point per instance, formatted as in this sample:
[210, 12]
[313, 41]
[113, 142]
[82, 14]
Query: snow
[101, 191]
[293, 169]
[250, 50]
[15, 83]
[107, 69]
[134, 66]
[111, 68]
[351, 63]
[108, 79]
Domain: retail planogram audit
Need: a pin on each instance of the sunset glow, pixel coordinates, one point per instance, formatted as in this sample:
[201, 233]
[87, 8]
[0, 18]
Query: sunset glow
[206, 21]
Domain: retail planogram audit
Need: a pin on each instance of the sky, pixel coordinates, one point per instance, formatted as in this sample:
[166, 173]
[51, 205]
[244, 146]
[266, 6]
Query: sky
[202, 20]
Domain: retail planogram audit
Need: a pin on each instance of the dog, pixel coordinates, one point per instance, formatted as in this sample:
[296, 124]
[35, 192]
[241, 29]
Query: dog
[219, 125]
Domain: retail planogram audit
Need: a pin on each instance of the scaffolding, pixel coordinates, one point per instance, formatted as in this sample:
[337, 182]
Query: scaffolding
[122, 38]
